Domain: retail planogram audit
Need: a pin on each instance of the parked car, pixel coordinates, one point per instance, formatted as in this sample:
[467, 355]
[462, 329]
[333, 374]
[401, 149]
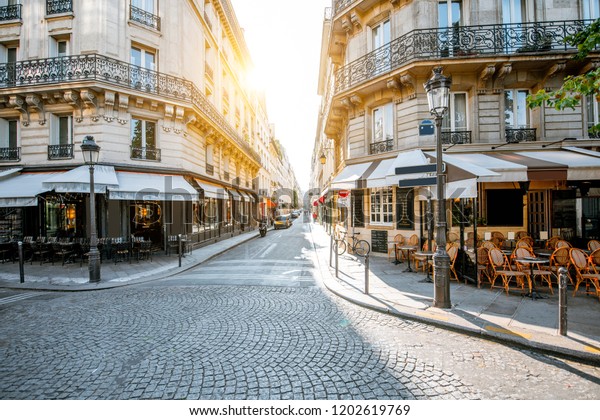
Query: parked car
[283, 221]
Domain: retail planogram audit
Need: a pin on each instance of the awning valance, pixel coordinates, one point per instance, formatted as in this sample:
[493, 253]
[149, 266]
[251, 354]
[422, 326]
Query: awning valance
[7, 172]
[78, 180]
[150, 187]
[376, 176]
[212, 190]
[22, 190]
[235, 195]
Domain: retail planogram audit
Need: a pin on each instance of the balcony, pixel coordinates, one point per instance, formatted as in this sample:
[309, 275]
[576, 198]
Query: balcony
[145, 18]
[101, 69]
[55, 7]
[458, 42]
[145, 153]
[12, 12]
[10, 154]
[226, 176]
[517, 135]
[60, 151]
[381, 147]
[210, 169]
[456, 137]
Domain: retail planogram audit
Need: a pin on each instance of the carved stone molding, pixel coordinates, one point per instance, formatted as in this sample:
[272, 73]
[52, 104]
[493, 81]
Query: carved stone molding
[592, 65]
[123, 107]
[355, 19]
[109, 106]
[90, 102]
[72, 98]
[553, 71]
[36, 102]
[356, 100]
[505, 70]
[485, 76]
[17, 102]
[392, 84]
[408, 81]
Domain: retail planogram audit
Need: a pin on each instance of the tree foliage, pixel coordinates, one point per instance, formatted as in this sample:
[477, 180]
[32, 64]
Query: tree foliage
[574, 87]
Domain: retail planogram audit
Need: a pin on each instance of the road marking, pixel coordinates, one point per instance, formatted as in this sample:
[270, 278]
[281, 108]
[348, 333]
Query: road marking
[269, 249]
[592, 349]
[433, 316]
[508, 332]
[20, 296]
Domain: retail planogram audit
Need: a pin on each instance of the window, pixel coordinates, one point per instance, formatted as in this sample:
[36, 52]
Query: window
[8, 55]
[209, 159]
[381, 206]
[143, 140]
[513, 11]
[592, 116]
[59, 47]
[145, 5]
[61, 137]
[516, 114]
[498, 201]
[143, 76]
[405, 208]
[8, 140]
[591, 9]
[383, 124]
[380, 35]
[456, 117]
[449, 13]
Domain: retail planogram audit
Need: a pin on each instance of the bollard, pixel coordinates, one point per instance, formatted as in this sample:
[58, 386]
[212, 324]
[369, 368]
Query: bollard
[367, 274]
[179, 247]
[330, 251]
[21, 263]
[336, 259]
[562, 301]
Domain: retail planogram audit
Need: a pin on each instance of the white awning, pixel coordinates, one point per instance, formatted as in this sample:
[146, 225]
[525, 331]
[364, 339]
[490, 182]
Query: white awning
[212, 191]
[404, 160]
[22, 190]
[146, 186]
[235, 195]
[7, 172]
[346, 179]
[78, 180]
[247, 197]
[503, 170]
[580, 166]
[465, 188]
[377, 178]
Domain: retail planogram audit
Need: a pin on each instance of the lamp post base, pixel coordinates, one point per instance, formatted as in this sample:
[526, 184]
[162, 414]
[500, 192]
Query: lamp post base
[441, 280]
[94, 264]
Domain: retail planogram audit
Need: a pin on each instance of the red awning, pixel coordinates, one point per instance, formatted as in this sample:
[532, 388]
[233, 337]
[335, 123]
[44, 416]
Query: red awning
[271, 204]
[322, 199]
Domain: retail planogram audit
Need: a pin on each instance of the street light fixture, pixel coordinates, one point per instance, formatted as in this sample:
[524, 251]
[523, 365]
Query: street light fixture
[91, 153]
[438, 96]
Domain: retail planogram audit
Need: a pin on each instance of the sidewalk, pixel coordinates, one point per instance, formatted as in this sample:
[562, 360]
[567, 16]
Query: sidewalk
[73, 277]
[487, 313]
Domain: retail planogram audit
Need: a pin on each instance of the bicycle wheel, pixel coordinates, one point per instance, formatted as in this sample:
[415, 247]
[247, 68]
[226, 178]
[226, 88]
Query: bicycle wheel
[341, 246]
[362, 248]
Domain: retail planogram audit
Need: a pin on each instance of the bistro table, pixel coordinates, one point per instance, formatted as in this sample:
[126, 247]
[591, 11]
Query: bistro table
[408, 249]
[428, 256]
[533, 294]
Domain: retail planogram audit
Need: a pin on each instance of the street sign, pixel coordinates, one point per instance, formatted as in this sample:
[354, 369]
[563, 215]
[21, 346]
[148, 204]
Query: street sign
[418, 182]
[419, 169]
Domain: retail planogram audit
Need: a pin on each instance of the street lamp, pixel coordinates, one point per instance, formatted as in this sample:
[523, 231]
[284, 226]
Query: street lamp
[91, 153]
[438, 96]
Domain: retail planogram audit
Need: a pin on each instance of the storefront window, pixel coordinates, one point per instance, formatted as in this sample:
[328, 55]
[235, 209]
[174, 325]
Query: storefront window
[497, 203]
[64, 215]
[10, 223]
[146, 220]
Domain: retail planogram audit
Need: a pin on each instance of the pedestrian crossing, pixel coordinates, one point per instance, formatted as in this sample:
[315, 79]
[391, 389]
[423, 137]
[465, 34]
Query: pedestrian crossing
[20, 296]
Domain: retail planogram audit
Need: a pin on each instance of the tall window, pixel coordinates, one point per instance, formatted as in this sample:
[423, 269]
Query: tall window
[592, 115]
[140, 78]
[62, 130]
[8, 139]
[591, 9]
[382, 211]
[513, 11]
[380, 35]
[59, 47]
[516, 114]
[143, 139]
[456, 117]
[8, 55]
[383, 123]
[145, 5]
[449, 13]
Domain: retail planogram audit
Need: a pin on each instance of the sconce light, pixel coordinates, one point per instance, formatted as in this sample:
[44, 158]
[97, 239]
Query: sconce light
[524, 186]
[322, 158]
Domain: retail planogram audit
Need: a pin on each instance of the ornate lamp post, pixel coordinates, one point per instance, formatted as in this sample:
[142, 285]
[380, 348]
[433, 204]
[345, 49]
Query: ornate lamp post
[438, 96]
[91, 153]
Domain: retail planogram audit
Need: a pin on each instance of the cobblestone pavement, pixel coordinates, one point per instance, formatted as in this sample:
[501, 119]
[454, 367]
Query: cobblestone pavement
[179, 340]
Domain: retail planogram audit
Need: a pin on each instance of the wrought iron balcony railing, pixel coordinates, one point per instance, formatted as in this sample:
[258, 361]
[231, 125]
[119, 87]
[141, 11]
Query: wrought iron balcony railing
[10, 12]
[145, 18]
[54, 7]
[60, 151]
[456, 137]
[341, 4]
[381, 147]
[210, 169]
[460, 41]
[95, 67]
[145, 153]
[517, 135]
[10, 154]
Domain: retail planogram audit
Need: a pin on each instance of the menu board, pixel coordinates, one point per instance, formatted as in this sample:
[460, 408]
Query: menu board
[379, 241]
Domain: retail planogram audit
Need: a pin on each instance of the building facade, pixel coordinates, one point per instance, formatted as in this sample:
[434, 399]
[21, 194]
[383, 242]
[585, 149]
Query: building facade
[161, 87]
[508, 168]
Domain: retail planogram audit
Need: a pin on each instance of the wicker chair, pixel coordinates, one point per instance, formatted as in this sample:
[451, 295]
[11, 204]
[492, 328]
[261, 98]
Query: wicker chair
[585, 271]
[500, 267]
[483, 265]
[593, 245]
[560, 258]
[398, 240]
[422, 260]
[532, 270]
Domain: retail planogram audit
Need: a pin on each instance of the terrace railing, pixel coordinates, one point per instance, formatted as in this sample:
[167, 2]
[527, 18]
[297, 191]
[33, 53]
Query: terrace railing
[54, 7]
[60, 151]
[145, 18]
[8, 154]
[10, 12]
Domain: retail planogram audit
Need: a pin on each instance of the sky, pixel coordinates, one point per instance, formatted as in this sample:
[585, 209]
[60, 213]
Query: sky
[284, 39]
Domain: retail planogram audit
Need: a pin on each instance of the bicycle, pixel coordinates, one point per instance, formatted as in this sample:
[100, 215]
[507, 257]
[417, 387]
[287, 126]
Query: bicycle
[359, 247]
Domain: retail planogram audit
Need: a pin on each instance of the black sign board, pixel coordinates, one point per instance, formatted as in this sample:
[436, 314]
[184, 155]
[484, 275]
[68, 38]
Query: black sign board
[379, 241]
[419, 182]
[416, 169]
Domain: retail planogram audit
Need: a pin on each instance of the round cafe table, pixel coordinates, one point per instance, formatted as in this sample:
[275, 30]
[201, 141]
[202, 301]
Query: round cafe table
[428, 256]
[533, 294]
[408, 249]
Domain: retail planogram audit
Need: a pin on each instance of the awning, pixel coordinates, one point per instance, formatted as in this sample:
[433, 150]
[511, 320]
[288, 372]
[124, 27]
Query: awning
[246, 196]
[7, 172]
[537, 169]
[22, 190]
[212, 190]
[404, 160]
[147, 186]
[271, 204]
[348, 177]
[376, 176]
[466, 188]
[78, 180]
[503, 170]
[578, 164]
[235, 195]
